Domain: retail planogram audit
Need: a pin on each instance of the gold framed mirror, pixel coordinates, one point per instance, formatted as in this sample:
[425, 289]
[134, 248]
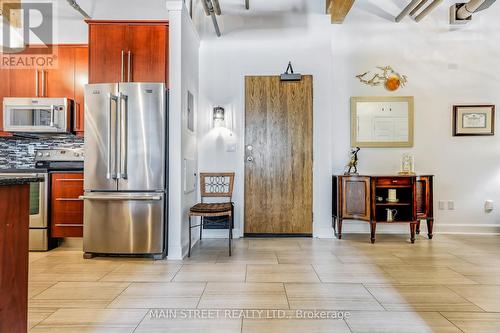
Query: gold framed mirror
[382, 122]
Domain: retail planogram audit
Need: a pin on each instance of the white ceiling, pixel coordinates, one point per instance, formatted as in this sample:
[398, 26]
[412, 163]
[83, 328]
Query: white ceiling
[258, 7]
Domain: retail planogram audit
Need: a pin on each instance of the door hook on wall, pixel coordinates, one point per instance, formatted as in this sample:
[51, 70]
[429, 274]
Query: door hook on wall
[289, 75]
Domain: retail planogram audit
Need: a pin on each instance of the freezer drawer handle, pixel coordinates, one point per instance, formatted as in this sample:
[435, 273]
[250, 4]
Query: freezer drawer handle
[121, 198]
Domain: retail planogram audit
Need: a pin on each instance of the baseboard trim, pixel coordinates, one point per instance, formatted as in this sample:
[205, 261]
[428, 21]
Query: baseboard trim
[175, 253]
[258, 235]
[467, 229]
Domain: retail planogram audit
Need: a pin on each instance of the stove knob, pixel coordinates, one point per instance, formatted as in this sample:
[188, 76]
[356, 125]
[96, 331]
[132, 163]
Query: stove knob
[39, 154]
[76, 154]
[47, 154]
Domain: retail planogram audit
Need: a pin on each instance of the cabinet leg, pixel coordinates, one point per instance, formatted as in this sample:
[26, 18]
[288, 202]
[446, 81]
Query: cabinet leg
[339, 228]
[334, 225]
[418, 227]
[430, 226]
[413, 228]
[373, 229]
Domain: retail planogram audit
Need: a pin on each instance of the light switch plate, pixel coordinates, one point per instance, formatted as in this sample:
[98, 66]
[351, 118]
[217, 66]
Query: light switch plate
[488, 206]
[441, 205]
[231, 147]
[451, 205]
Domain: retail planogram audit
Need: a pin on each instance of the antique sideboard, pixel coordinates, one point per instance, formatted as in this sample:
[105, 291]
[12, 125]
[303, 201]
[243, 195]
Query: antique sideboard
[366, 198]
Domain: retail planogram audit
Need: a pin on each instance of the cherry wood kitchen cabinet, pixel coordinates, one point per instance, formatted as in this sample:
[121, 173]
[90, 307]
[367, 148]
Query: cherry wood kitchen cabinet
[425, 205]
[365, 198]
[66, 216]
[66, 79]
[128, 51]
[81, 79]
[59, 81]
[24, 82]
[4, 92]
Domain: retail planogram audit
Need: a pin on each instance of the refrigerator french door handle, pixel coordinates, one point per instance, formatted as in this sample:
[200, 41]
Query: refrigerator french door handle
[123, 136]
[110, 175]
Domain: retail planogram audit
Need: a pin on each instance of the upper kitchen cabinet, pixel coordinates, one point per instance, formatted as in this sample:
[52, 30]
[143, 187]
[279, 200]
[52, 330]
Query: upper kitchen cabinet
[28, 81]
[81, 79]
[4, 92]
[59, 81]
[128, 51]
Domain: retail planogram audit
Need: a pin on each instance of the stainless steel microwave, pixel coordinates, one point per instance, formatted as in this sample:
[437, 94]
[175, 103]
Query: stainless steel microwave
[37, 115]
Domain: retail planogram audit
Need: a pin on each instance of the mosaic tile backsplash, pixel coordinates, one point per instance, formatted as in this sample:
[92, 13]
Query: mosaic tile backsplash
[20, 152]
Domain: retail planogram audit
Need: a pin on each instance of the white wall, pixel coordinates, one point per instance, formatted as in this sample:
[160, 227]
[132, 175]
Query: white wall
[445, 66]
[183, 76]
[223, 65]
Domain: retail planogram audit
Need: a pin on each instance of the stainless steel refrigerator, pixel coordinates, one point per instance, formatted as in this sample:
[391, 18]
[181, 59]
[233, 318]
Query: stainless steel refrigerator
[125, 171]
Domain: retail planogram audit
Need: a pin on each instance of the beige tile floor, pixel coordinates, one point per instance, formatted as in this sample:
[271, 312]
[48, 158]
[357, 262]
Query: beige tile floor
[449, 284]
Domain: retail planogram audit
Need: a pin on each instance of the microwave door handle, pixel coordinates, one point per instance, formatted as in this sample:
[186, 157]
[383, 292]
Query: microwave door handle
[52, 115]
[109, 175]
[124, 136]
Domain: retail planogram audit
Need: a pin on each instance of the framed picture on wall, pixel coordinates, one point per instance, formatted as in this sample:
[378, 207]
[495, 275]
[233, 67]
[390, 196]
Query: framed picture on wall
[472, 120]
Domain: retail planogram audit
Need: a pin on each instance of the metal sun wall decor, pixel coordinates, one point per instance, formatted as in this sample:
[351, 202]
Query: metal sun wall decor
[391, 79]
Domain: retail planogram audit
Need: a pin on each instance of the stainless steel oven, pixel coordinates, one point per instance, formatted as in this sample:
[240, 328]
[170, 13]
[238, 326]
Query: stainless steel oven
[39, 229]
[37, 115]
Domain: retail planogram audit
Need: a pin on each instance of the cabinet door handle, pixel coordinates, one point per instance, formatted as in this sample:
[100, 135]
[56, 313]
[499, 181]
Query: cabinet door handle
[129, 64]
[76, 120]
[43, 83]
[123, 67]
[36, 83]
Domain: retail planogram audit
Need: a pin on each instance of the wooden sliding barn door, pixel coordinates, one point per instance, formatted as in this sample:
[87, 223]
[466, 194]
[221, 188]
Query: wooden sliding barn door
[278, 155]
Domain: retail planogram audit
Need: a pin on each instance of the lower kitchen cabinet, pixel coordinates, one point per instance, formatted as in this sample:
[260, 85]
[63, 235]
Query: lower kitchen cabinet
[66, 207]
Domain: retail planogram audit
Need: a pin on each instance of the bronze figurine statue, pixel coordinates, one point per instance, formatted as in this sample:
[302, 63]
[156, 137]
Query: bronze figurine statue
[352, 166]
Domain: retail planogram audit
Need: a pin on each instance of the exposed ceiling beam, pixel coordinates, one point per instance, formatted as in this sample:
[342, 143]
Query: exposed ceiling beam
[338, 9]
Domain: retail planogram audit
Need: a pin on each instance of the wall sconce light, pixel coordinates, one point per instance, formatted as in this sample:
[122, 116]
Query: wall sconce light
[218, 116]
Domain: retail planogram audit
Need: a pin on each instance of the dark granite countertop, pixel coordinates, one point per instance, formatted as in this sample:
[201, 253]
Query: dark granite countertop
[18, 180]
